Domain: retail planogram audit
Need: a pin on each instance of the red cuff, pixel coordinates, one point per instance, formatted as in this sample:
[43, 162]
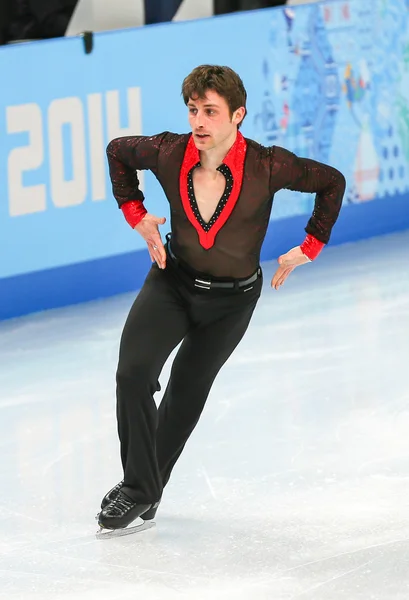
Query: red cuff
[134, 211]
[311, 247]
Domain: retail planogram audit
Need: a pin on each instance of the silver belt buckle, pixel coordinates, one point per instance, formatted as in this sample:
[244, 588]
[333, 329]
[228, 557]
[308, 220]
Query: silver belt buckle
[205, 285]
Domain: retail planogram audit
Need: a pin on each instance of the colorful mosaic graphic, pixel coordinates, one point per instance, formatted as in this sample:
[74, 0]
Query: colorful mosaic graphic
[343, 82]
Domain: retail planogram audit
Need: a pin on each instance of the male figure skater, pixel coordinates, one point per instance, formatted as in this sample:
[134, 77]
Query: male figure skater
[206, 280]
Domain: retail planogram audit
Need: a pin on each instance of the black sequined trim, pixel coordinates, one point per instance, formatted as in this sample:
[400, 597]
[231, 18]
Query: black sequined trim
[225, 170]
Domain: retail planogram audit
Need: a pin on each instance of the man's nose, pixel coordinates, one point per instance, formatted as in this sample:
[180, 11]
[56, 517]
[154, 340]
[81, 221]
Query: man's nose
[199, 119]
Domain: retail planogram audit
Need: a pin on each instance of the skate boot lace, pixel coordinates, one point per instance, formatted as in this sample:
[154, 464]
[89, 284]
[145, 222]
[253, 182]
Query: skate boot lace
[120, 505]
[117, 488]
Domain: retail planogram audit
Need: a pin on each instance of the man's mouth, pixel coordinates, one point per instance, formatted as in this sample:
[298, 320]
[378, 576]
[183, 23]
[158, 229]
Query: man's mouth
[202, 136]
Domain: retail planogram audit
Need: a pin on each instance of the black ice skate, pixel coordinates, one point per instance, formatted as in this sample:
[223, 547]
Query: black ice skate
[116, 517]
[111, 495]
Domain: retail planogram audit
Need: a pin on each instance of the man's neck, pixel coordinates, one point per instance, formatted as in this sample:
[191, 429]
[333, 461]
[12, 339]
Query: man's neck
[211, 159]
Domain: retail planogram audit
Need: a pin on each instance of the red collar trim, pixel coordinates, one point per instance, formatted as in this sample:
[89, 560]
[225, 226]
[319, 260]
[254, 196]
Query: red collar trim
[234, 159]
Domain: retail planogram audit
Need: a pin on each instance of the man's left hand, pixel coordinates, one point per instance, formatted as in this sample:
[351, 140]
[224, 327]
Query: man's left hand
[288, 262]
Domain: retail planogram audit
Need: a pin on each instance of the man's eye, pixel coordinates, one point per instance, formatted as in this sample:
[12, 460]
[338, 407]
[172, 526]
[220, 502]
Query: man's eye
[192, 111]
[210, 112]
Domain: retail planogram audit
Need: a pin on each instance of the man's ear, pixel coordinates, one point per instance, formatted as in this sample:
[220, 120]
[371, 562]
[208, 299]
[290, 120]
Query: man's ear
[239, 115]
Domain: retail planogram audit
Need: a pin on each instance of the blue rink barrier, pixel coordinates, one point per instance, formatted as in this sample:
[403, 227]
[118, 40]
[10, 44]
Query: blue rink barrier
[62, 238]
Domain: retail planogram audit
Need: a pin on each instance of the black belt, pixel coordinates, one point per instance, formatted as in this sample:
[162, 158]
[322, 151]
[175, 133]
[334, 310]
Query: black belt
[209, 284]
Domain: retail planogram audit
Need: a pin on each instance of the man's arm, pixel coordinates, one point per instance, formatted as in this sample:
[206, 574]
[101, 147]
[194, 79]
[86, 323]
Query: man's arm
[305, 175]
[126, 156]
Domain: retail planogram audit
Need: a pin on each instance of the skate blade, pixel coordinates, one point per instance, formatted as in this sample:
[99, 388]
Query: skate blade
[104, 534]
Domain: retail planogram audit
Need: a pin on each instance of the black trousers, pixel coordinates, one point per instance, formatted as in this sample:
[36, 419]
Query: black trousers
[169, 309]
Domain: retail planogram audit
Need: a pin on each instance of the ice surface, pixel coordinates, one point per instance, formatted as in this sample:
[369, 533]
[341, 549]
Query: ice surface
[295, 483]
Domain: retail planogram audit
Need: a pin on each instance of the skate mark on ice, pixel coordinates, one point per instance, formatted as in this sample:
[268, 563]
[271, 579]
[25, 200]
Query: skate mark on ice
[55, 461]
[226, 407]
[19, 572]
[71, 447]
[46, 576]
[135, 570]
[209, 483]
[341, 554]
[383, 459]
[13, 513]
[340, 576]
[401, 403]
[285, 356]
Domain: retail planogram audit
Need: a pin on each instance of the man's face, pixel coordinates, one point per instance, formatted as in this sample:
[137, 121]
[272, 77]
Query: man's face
[210, 120]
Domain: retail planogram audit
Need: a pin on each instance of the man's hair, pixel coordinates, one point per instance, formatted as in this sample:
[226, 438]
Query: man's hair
[222, 80]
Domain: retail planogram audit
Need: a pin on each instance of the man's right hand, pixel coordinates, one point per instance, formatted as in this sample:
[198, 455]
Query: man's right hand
[148, 229]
